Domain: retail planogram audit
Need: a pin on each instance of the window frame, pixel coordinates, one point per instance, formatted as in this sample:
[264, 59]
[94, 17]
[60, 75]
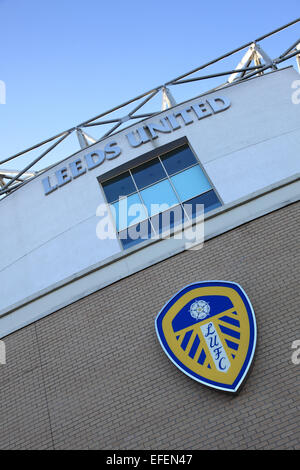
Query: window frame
[137, 162]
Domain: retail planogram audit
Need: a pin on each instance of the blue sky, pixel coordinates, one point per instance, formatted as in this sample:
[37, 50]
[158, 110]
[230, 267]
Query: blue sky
[65, 61]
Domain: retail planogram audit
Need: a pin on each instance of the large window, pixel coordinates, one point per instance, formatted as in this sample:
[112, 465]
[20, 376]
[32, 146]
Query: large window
[155, 194]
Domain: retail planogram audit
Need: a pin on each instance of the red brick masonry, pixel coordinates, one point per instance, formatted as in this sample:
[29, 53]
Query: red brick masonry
[93, 375]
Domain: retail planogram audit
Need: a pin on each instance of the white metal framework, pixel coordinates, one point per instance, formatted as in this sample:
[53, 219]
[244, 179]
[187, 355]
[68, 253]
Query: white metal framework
[255, 54]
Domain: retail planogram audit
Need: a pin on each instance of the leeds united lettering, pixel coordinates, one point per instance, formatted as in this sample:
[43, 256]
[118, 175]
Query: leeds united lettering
[139, 136]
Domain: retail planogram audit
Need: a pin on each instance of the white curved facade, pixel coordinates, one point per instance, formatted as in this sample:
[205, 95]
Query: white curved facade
[50, 254]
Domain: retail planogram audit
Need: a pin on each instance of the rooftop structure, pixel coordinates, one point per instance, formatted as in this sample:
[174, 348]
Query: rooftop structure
[254, 62]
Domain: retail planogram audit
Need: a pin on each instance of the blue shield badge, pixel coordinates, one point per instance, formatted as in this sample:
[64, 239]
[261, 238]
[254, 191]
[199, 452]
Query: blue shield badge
[208, 330]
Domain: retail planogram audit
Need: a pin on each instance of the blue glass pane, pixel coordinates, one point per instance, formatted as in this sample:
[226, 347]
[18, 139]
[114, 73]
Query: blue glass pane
[122, 185]
[178, 160]
[128, 211]
[148, 173]
[189, 183]
[160, 194]
[136, 234]
[168, 219]
[209, 200]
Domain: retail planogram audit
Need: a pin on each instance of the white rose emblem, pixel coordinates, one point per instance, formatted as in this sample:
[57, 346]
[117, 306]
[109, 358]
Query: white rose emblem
[199, 309]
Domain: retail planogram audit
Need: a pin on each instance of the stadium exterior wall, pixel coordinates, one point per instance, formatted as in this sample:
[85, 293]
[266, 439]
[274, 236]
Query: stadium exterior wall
[93, 375]
[49, 241]
[84, 368]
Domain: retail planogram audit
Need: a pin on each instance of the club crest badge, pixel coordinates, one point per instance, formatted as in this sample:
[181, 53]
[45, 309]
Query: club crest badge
[208, 330]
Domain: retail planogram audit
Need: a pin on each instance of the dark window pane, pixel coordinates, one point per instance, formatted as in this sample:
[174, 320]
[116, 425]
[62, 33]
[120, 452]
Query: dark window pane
[148, 173]
[136, 234]
[209, 200]
[178, 160]
[169, 219]
[122, 185]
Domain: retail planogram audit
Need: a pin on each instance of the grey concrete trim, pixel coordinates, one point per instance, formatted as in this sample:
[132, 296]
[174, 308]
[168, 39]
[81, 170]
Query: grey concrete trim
[130, 261]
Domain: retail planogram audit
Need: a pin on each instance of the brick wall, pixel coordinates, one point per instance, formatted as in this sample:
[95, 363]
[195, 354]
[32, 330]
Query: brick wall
[93, 375]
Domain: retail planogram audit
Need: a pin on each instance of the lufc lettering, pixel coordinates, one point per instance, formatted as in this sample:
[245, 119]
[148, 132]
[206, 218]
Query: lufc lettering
[215, 347]
[139, 136]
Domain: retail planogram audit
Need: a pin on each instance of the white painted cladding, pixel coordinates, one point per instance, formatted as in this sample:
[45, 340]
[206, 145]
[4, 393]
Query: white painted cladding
[251, 145]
